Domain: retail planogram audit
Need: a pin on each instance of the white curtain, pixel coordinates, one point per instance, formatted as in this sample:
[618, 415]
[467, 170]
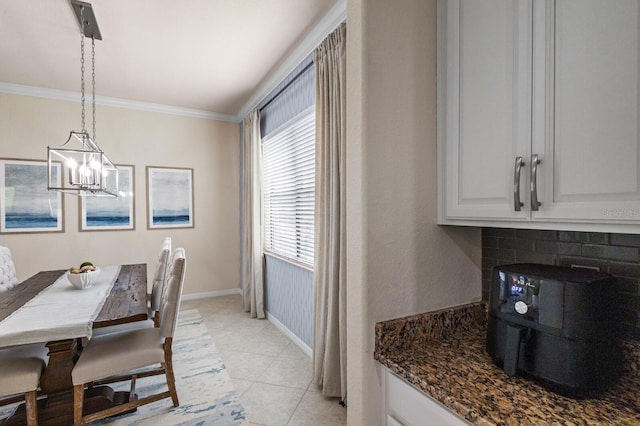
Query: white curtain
[329, 340]
[252, 263]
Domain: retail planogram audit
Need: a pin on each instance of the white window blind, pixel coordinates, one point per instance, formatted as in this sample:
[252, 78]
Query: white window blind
[289, 189]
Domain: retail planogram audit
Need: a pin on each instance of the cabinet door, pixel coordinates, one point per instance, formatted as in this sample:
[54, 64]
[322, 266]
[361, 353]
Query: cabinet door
[586, 110]
[485, 100]
[407, 406]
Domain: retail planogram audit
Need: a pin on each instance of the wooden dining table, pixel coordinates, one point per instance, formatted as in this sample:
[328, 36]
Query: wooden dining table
[125, 301]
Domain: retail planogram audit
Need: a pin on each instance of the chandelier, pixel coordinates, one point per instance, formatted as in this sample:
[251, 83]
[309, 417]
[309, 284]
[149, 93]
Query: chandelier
[89, 172]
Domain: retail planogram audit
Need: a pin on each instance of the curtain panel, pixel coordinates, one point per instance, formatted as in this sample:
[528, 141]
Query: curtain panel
[252, 259]
[329, 349]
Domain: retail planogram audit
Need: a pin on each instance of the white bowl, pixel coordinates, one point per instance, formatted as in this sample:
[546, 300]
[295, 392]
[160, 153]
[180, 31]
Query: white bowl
[83, 280]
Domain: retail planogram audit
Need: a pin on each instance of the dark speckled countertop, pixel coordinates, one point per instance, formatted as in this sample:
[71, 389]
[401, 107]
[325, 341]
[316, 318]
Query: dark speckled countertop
[443, 354]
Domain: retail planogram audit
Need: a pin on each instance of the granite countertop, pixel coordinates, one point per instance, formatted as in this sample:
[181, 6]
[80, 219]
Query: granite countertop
[443, 354]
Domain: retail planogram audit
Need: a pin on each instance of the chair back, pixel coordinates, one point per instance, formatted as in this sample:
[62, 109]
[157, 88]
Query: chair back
[160, 274]
[8, 277]
[172, 294]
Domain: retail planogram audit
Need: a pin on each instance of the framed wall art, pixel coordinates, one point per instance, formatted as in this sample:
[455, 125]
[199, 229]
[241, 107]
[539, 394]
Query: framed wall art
[169, 197]
[26, 205]
[111, 213]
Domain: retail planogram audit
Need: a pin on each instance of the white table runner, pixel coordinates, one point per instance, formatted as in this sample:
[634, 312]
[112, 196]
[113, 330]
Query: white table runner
[59, 312]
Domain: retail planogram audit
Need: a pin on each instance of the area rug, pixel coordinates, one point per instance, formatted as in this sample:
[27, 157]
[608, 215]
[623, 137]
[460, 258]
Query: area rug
[206, 393]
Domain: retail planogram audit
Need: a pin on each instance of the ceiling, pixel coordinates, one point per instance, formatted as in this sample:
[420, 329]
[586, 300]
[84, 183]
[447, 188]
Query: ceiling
[206, 55]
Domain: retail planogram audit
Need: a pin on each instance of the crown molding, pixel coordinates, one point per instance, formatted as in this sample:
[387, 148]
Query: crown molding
[63, 95]
[329, 22]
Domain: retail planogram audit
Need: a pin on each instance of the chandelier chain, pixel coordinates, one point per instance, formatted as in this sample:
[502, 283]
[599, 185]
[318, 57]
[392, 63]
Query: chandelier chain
[93, 83]
[82, 64]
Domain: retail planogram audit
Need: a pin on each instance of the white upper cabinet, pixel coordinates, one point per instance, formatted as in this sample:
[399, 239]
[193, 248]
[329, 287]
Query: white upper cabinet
[487, 105]
[550, 80]
[586, 109]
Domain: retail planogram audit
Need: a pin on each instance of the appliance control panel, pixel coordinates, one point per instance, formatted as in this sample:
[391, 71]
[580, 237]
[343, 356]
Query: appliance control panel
[518, 293]
[531, 298]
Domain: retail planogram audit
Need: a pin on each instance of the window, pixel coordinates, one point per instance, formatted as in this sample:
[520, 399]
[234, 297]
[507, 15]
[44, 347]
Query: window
[289, 189]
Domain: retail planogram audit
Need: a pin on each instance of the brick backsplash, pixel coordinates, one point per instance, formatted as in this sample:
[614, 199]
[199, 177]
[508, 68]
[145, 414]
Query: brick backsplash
[616, 254]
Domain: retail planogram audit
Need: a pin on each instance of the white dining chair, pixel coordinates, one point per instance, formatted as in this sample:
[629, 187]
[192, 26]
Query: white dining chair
[160, 277]
[8, 276]
[111, 354]
[21, 367]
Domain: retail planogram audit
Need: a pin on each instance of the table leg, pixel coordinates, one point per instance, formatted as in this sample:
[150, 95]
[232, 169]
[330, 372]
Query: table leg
[63, 355]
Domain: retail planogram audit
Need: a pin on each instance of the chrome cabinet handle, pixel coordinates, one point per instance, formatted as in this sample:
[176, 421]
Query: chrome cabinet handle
[517, 204]
[534, 183]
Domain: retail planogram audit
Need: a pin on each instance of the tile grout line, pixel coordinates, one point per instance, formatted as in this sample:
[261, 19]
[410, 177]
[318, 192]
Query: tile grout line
[297, 406]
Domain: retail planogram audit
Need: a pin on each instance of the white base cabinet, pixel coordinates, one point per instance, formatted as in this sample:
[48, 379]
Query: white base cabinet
[405, 405]
[556, 80]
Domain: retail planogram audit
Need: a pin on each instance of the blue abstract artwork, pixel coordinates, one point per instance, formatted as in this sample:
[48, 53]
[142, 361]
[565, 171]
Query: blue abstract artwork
[111, 213]
[170, 197]
[26, 205]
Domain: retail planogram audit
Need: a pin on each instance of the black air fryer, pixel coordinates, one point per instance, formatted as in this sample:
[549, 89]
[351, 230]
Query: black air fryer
[555, 325]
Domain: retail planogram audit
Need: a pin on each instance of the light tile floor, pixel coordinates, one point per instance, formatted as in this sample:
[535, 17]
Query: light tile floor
[272, 376]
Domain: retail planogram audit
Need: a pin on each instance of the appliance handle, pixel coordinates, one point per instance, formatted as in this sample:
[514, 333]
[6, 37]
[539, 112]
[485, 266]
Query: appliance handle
[512, 348]
[535, 204]
[517, 204]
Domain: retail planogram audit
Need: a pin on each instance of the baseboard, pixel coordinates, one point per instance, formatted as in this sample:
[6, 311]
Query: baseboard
[295, 339]
[215, 293]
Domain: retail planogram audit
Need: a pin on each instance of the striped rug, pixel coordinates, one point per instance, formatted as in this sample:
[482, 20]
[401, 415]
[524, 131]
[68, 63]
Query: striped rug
[206, 393]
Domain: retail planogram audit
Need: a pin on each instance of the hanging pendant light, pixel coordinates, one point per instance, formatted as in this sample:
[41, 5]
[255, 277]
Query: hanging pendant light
[89, 172]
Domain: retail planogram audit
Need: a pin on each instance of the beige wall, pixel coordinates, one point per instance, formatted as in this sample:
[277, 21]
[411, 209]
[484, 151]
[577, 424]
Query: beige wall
[29, 124]
[399, 261]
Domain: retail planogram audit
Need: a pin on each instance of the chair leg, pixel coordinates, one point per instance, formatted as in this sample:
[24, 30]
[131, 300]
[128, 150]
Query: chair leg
[78, 402]
[31, 404]
[168, 364]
